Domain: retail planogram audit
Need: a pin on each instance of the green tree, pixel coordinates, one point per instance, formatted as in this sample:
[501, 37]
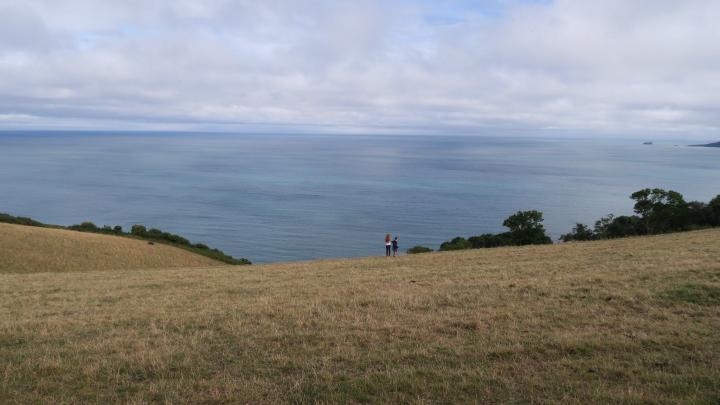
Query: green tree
[625, 226]
[698, 215]
[85, 227]
[138, 230]
[714, 211]
[601, 226]
[526, 228]
[660, 210]
[580, 232]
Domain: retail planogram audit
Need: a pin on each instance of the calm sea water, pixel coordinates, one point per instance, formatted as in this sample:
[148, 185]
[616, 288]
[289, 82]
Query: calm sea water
[277, 198]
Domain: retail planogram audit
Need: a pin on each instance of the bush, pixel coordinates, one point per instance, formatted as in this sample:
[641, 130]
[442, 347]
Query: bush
[579, 233]
[9, 219]
[138, 230]
[623, 226]
[154, 233]
[458, 243]
[713, 212]
[489, 240]
[419, 249]
[525, 229]
[85, 227]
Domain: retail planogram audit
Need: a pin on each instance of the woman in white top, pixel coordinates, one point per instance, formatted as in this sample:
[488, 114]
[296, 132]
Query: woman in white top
[388, 244]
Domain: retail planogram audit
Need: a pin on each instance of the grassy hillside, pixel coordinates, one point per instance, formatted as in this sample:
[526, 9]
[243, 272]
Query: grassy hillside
[25, 249]
[629, 321]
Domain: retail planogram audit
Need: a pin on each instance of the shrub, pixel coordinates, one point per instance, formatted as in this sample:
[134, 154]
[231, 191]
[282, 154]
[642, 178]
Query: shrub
[419, 249]
[488, 240]
[9, 219]
[713, 209]
[525, 229]
[458, 243]
[85, 227]
[579, 233]
[138, 230]
[610, 227]
[625, 226]
[177, 239]
[154, 233]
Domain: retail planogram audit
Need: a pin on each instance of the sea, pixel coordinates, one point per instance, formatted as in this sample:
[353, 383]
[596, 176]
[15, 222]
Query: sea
[274, 198]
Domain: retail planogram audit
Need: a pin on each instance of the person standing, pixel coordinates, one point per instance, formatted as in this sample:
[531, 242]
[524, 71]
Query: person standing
[388, 244]
[395, 246]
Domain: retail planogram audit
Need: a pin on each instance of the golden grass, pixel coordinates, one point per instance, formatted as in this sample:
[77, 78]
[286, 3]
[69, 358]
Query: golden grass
[622, 321]
[25, 249]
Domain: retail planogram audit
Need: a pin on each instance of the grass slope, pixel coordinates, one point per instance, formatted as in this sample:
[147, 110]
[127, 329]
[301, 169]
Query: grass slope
[629, 321]
[25, 249]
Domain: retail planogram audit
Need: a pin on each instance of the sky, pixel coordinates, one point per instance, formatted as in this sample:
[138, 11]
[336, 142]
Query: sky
[610, 67]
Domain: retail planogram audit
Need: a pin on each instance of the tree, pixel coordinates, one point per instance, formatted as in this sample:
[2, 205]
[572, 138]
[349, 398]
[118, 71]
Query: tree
[625, 226]
[698, 215]
[714, 211]
[85, 227]
[526, 228]
[580, 232]
[138, 230]
[601, 226]
[660, 210]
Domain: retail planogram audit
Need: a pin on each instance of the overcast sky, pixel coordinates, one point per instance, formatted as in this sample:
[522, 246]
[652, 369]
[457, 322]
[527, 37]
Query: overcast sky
[492, 66]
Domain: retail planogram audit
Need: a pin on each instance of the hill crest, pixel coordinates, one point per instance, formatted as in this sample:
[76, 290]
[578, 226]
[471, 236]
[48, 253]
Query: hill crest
[27, 249]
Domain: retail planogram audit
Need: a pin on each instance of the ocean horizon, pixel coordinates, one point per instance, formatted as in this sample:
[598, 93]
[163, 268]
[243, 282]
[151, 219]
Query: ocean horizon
[275, 197]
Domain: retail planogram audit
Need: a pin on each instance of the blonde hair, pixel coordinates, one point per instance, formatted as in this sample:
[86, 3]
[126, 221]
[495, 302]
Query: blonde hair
[388, 237]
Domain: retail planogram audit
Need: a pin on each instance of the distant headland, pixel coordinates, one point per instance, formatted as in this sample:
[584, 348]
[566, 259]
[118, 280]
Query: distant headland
[710, 145]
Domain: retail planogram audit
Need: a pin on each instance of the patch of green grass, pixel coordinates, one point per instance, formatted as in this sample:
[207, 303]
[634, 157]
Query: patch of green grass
[691, 293]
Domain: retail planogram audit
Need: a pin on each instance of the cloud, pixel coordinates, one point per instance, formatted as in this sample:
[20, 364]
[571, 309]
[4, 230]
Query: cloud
[408, 66]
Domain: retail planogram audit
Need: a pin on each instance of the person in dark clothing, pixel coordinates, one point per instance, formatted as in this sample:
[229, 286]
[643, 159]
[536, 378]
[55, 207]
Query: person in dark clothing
[388, 245]
[395, 246]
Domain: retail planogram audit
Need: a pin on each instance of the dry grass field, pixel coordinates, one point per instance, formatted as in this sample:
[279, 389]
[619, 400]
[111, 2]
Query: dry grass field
[622, 321]
[25, 249]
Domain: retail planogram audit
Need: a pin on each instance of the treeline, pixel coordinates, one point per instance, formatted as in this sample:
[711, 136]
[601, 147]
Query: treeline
[137, 232]
[9, 219]
[525, 228]
[657, 211]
